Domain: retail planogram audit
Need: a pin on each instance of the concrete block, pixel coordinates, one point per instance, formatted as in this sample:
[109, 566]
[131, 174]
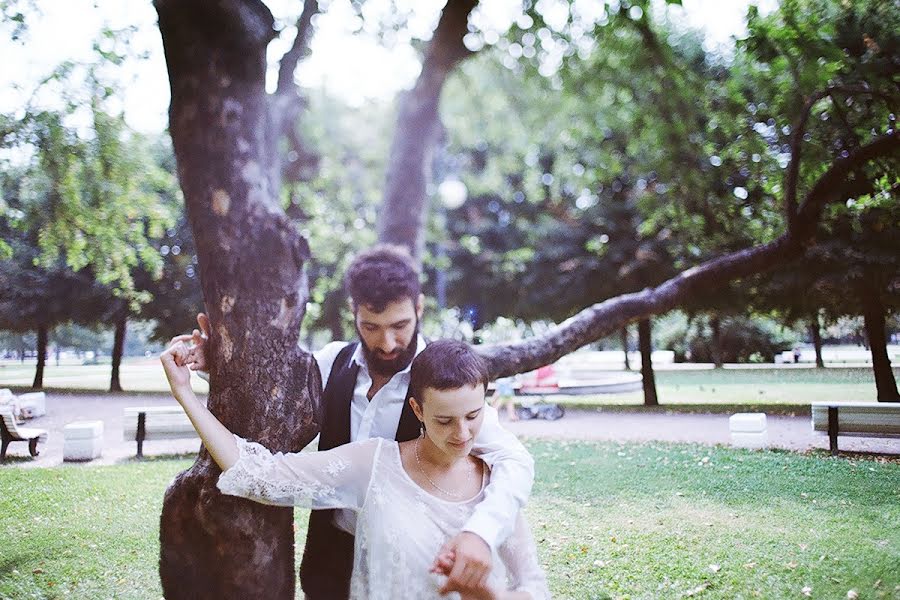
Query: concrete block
[32, 404]
[82, 440]
[748, 430]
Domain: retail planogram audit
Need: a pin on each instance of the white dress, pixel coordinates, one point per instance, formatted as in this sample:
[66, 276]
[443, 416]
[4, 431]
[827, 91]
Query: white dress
[400, 527]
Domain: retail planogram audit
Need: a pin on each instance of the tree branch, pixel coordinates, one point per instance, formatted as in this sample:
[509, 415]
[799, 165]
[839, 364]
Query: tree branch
[418, 125]
[797, 131]
[604, 318]
[287, 103]
[299, 49]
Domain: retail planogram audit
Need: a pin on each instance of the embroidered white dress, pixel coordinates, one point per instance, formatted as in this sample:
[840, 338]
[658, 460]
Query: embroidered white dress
[400, 527]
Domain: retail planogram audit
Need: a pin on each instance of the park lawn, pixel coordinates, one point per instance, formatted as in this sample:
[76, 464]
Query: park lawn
[135, 374]
[611, 521]
[732, 388]
[707, 389]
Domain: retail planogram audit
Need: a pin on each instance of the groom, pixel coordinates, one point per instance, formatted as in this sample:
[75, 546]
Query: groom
[366, 395]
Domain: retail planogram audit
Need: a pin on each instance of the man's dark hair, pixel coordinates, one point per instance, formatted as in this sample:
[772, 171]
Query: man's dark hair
[380, 275]
[446, 365]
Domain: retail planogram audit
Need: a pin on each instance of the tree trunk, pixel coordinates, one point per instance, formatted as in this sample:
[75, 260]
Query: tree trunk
[41, 357]
[648, 379]
[251, 262]
[334, 302]
[873, 316]
[625, 347]
[716, 341]
[118, 351]
[403, 212]
[816, 334]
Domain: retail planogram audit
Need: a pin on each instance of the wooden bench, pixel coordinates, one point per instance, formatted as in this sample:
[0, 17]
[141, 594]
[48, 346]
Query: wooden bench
[863, 419]
[142, 423]
[11, 432]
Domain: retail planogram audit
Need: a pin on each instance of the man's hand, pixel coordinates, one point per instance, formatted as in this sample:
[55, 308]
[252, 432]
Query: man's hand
[196, 358]
[466, 561]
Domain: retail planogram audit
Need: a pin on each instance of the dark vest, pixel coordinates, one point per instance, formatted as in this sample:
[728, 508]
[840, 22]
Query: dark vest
[328, 556]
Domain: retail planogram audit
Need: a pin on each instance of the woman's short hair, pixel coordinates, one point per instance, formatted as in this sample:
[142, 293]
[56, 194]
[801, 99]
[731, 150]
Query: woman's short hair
[446, 365]
[381, 275]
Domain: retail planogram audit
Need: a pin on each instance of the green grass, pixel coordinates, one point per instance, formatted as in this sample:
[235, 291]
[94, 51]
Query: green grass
[135, 374]
[611, 521]
[770, 390]
[712, 390]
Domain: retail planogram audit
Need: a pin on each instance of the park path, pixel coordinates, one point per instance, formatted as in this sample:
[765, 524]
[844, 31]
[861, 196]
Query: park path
[787, 432]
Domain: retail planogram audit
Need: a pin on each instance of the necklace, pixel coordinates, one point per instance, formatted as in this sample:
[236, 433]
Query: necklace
[425, 475]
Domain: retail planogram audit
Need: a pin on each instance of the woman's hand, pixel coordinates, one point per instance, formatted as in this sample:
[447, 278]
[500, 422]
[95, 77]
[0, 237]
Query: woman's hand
[477, 590]
[175, 361]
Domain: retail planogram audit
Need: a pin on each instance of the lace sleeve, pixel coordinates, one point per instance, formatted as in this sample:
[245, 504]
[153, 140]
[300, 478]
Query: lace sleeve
[335, 478]
[519, 555]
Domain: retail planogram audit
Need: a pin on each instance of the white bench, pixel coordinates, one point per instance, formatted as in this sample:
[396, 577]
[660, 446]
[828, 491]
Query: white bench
[11, 432]
[864, 419]
[142, 423]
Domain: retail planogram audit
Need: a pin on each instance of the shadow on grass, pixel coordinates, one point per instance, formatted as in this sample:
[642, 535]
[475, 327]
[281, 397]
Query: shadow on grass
[770, 409]
[14, 459]
[64, 391]
[157, 458]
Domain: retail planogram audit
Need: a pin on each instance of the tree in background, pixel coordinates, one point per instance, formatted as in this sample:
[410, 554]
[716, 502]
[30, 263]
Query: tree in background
[92, 200]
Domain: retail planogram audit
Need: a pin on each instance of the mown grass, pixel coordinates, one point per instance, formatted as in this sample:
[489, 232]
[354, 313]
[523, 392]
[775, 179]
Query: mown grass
[136, 375]
[611, 520]
[773, 390]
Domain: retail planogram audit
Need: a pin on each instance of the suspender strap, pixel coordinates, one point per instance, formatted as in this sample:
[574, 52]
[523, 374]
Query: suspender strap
[408, 428]
[337, 398]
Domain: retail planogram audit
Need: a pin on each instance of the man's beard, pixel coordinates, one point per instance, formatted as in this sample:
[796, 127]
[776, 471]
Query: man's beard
[388, 368]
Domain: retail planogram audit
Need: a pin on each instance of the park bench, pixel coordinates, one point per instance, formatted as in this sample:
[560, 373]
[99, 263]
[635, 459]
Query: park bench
[863, 419]
[143, 423]
[11, 432]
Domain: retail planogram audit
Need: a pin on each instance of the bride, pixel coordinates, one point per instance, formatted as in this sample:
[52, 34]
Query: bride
[409, 497]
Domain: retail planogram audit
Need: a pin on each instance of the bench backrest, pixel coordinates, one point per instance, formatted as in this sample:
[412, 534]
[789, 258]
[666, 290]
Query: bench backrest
[862, 417]
[9, 421]
[160, 422]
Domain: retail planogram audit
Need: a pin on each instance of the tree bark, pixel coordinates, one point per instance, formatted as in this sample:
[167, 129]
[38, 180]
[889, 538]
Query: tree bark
[604, 318]
[816, 334]
[38, 382]
[647, 377]
[251, 263]
[402, 218]
[625, 347]
[873, 317]
[118, 351]
[715, 326]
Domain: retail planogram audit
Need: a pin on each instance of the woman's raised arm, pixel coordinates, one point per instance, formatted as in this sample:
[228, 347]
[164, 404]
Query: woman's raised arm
[218, 440]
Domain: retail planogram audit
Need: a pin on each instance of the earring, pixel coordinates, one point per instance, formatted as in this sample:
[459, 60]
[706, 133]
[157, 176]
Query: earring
[422, 429]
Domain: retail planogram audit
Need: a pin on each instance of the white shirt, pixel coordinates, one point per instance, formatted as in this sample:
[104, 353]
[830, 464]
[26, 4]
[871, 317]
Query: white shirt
[401, 526]
[512, 468]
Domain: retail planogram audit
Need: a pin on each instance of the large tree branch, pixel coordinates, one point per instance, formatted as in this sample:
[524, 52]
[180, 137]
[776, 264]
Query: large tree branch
[299, 49]
[287, 104]
[796, 139]
[418, 126]
[604, 318]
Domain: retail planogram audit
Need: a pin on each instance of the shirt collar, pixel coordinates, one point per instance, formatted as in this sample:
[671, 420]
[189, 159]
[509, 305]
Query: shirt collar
[360, 359]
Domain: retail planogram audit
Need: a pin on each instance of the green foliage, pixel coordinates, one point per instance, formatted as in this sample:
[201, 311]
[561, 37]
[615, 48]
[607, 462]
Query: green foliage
[741, 339]
[336, 207]
[604, 156]
[85, 185]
